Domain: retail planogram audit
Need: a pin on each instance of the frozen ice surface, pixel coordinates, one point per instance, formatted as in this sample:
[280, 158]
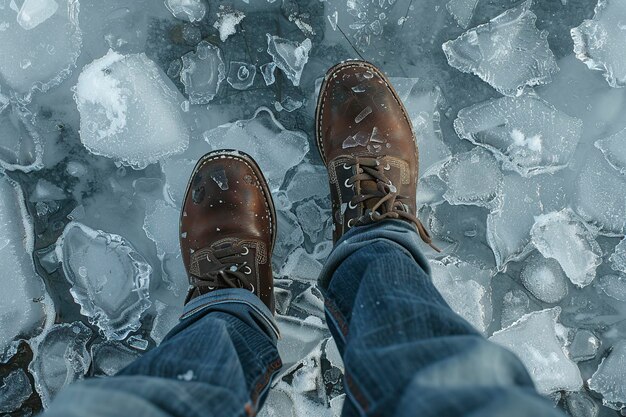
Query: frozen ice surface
[584, 346]
[462, 11]
[189, 10]
[312, 219]
[166, 318]
[289, 237]
[580, 404]
[599, 42]
[472, 178]
[509, 52]
[289, 56]
[177, 172]
[608, 380]
[534, 339]
[259, 137]
[618, 257]
[137, 342]
[544, 278]
[308, 181]
[202, 73]
[109, 278]
[508, 226]
[226, 22]
[15, 388]
[46, 191]
[526, 133]
[568, 240]
[614, 150]
[298, 338]
[21, 314]
[515, 304]
[161, 226]
[288, 104]
[268, 72]
[59, 358]
[110, 357]
[241, 75]
[130, 110]
[301, 266]
[466, 289]
[20, 145]
[600, 195]
[613, 285]
[39, 45]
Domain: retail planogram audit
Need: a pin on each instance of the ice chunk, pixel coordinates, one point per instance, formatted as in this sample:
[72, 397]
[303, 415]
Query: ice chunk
[301, 266]
[129, 110]
[580, 404]
[312, 220]
[614, 150]
[259, 137]
[618, 257]
[299, 338]
[563, 237]
[177, 173]
[289, 56]
[166, 318]
[472, 178]
[46, 191]
[241, 75]
[189, 10]
[59, 358]
[608, 380]
[527, 134]
[466, 289]
[39, 49]
[288, 104]
[534, 339]
[14, 390]
[584, 346]
[21, 146]
[24, 304]
[203, 72]
[289, 237]
[226, 22]
[544, 278]
[515, 304]
[599, 42]
[308, 181]
[137, 342]
[509, 52]
[109, 278]
[508, 227]
[462, 11]
[110, 357]
[600, 195]
[161, 226]
[267, 70]
[613, 285]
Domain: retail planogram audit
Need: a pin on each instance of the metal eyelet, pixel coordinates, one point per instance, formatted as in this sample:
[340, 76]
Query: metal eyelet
[346, 167]
[346, 183]
[387, 167]
[246, 252]
[350, 223]
[252, 285]
[249, 270]
[351, 206]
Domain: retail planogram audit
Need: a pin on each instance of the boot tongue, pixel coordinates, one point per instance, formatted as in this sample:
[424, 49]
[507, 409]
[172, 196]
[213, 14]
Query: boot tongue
[369, 187]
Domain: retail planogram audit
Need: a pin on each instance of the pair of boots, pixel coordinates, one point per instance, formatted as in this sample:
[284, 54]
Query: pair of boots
[366, 141]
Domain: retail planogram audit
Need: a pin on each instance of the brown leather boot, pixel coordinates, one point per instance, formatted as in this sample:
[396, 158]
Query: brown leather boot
[367, 143]
[228, 227]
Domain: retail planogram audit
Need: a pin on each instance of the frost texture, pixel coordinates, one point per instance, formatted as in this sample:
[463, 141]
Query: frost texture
[614, 150]
[253, 136]
[527, 134]
[466, 289]
[202, 73]
[608, 380]
[509, 52]
[21, 314]
[59, 358]
[563, 237]
[109, 278]
[533, 338]
[128, 96]
[226, 23]
[599, 42]
[38, 48]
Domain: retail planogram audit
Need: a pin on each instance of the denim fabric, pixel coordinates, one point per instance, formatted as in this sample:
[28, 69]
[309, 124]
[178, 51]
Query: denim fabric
[405, 352]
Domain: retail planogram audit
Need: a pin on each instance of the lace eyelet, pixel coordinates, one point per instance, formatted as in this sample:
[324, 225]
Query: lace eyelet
[246, 252]
[350, 223]
[346, 183]
[351, 206]
[347, 167]
[252, 285]
[387, 167]
[249, 270]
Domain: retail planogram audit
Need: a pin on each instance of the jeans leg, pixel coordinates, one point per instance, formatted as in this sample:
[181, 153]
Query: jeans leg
[218, 361]
[406, 353]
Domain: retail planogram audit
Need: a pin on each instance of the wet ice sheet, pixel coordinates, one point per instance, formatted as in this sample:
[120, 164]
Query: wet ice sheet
[109, 278]
[15, 388]
[608, 380]
[614, 150]
[527, 134]
[128, 96]
[599, 42]
[509, 52]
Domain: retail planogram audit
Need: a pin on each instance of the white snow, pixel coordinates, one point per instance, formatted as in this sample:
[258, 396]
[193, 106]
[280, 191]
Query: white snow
[226, 23]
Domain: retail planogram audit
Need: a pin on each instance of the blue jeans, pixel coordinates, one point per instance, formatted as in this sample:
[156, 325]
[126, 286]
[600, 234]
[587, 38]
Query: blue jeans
[406, 353]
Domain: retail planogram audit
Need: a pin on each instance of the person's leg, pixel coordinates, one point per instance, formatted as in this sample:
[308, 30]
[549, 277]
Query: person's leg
[406, 353]
[218, 361]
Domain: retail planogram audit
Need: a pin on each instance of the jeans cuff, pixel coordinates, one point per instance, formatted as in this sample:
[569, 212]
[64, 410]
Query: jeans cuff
[218, 299]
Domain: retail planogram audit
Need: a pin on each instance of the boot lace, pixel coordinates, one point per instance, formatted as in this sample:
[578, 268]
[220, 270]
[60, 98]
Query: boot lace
[388, 203]
[223, 268]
